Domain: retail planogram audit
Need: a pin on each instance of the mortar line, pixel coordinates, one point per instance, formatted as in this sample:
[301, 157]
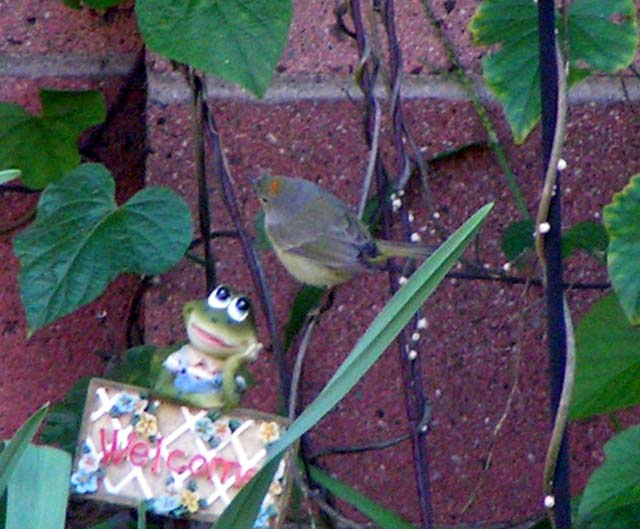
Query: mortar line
[167, 88]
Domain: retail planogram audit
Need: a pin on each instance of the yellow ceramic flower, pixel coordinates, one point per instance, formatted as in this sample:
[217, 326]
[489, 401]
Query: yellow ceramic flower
[275, 489]
[147, 425]
[269, 432]
[190, 500]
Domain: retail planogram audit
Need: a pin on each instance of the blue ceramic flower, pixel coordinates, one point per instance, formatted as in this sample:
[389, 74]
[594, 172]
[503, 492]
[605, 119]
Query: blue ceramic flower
[83, 482]
[125, 403]
[204, 428]
[165, 504]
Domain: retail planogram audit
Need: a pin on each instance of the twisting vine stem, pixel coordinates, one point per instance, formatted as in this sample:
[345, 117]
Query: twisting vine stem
[256, 271]
[549, 250]
[198, 92]
[415, 400]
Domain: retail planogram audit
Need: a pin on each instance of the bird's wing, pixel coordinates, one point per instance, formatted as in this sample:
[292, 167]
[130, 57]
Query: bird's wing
[340, 245]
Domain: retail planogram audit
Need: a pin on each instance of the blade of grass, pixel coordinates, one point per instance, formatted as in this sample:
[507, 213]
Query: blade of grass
[10, 456]
[385, 518]
[369, 348]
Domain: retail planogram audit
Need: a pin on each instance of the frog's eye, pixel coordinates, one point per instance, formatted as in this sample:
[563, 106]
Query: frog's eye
[219, 298]
[239, 309]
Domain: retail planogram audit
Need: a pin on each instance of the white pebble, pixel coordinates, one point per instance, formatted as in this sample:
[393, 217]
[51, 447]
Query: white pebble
[413, 354]
[544, 227]
[436, 215]
[562, 164]
[402, 280]
[415, 337]
[549, 502]
[410, 216]
[422, 323]
[415, 237]
[506, 266]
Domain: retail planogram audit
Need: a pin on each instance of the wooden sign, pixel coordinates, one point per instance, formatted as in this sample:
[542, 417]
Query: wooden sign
[181, 461]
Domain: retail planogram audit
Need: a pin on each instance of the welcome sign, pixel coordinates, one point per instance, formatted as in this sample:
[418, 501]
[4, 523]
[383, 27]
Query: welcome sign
[181, 461]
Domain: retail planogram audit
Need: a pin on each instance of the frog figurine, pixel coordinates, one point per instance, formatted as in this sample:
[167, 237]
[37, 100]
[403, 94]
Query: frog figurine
[222, 337]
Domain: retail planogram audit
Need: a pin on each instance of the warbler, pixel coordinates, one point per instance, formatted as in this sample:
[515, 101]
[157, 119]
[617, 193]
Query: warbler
[317, 237]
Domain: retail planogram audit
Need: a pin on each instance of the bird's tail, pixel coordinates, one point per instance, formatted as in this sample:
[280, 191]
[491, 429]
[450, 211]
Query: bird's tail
[388, 249]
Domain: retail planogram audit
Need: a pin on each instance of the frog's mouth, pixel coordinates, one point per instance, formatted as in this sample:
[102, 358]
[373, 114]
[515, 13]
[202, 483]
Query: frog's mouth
[209, 338]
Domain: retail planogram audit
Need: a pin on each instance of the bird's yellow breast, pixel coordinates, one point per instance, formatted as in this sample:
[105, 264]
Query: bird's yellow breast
[310, 271]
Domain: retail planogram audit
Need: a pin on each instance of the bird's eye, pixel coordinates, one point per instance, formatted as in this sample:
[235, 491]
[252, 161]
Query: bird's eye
[264, 200]
[219, 298]
[239, 309]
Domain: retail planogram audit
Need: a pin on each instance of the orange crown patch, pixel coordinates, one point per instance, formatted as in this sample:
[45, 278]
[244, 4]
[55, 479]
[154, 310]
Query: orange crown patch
[274, 186]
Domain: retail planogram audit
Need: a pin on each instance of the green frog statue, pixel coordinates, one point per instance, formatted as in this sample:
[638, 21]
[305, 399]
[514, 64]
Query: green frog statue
[222, 338]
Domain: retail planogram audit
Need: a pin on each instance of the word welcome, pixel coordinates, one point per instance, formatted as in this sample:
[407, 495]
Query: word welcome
[140, 453]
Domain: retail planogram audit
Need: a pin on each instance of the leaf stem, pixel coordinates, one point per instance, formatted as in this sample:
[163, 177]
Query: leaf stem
[481, 111]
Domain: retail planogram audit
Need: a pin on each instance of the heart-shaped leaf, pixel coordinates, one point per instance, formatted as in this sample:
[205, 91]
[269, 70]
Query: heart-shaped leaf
[238, 40]
[81, 240]
[608, 361]
[616, 484]
[45, 147]
[602, 35]
[622, 221]
[513, 72]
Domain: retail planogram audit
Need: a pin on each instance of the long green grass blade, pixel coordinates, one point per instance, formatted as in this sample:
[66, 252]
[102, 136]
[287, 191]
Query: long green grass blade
[38, 489]
[383, 517]
[373, 343]
[10, 456]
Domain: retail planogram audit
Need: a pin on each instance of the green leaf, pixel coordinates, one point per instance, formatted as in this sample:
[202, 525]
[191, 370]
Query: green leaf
[38, 489]
[616, 484]
[386, 326]
[382, 517]
[243, 510]
[238, 40]
[81, 240]
[607, 363]
[44, 148]
[518, 239]
[622, 221]
[588, 235]
[10, 456]
[306, 299]
[134, 367]
[262, 242]
[513, 72]
[603, 33]
[62, 424]
[9, 174]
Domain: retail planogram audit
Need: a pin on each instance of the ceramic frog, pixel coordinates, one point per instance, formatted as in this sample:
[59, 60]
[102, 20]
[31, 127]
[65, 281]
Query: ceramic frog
[222, 337]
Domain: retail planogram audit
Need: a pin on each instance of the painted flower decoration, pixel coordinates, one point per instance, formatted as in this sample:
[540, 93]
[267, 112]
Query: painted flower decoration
[269, 432]
[204, 428]
[165, 504]
[83, 482]
[147, 425]
[125, 403]
[89, 462]
[275, 489]
[190, 500]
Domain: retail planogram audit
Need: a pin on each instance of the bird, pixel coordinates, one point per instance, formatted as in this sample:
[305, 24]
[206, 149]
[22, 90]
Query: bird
[317, 237]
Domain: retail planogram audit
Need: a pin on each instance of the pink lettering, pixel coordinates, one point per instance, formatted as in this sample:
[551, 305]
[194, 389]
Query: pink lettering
[155, 468]
[115, 455]
[199, 470]
[172, 454]
[139, 454]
